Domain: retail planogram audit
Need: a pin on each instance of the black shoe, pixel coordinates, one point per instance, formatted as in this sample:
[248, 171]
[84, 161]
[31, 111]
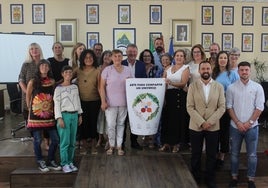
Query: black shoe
[233, 183]
[136, 146]
[219, 163]
[251, 184]
[52, 165]
[210, 183]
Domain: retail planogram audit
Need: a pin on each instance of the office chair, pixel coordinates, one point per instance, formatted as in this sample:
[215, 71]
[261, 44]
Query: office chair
[15, 94]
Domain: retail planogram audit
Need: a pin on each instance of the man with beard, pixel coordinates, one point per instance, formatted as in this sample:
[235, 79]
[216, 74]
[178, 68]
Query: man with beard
[205, 105]
[159, 50]
[214, 49]
[98, 49]
[245, 103]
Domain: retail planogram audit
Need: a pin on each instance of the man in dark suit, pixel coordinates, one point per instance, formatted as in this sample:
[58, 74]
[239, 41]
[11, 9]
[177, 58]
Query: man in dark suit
[138, 70]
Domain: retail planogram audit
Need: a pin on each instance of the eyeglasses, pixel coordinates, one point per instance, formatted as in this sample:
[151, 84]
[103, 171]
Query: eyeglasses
[196, 52]
[236, 55]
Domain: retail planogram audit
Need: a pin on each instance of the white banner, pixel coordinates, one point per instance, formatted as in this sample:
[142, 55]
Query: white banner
[145, 98]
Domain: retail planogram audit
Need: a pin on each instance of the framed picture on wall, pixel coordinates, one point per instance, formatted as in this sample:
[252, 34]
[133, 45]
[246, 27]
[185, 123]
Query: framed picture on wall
[207, 15]
[264, 42]
[265, 16]
[66, 31]
[227, 41]
[152, 37]
[92, 38]
[227, 15]
[122, 37]
[92, 12]
[16, 13]
[207, 40]
[247, 42]
[38, 13]
[182, 32]
[155, 14]
[247, 15]
[124, 14]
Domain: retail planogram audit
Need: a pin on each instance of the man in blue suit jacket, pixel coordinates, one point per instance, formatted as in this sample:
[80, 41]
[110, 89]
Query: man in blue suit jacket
[138, 69]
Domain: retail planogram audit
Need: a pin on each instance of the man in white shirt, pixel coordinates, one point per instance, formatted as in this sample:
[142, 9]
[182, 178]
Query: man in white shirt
[245, 103]
[205, 105]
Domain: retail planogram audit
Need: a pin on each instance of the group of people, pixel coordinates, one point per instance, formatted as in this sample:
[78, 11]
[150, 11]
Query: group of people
[224, 106]
[209, 102]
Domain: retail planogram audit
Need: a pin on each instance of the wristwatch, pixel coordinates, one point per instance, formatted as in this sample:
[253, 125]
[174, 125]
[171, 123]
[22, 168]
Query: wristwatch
[251, 122]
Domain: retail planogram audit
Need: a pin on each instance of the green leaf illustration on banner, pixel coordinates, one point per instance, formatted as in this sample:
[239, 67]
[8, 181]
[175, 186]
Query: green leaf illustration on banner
[146, 106]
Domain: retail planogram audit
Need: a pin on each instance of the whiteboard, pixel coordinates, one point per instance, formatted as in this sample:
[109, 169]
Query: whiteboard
[13, 50]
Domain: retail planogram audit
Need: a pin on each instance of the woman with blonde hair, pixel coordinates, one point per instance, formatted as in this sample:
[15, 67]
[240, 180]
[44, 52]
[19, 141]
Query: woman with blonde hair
[76, 52]
[28, 69]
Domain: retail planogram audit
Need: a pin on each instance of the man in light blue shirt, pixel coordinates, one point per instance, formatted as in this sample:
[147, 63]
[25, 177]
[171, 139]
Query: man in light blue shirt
[245, 102]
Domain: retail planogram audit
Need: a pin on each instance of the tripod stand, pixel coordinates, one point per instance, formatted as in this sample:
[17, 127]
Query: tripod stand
[21, 125]
[14, 93]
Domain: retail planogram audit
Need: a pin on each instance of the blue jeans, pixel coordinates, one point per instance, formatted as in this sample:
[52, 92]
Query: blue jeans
[251, 140]
[53, 135]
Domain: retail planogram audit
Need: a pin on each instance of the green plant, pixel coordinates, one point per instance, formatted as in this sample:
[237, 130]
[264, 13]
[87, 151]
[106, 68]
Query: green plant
[260, 68]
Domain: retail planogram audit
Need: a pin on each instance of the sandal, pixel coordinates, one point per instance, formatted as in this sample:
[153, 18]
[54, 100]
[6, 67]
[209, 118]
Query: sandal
[120, 152]
[166, 147]
[110, 151]
[151, 146]
[175, 149]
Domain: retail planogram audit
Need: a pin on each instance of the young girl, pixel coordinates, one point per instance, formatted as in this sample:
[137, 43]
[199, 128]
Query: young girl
[68, 111]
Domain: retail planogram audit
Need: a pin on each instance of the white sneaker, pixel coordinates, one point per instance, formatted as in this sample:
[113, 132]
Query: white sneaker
[66, 169]
[72, 167]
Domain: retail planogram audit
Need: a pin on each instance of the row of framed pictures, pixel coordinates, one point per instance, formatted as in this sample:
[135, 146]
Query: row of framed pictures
[66, 33]
[124, 14]
[92, 12]
[17, 17]
[227, 41]
[121, 38]
[228, 15]
[207, 38]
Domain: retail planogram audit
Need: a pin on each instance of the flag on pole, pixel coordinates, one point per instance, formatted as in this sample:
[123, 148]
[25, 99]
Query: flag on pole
[171, 48]
[162, 37]
[151, 47]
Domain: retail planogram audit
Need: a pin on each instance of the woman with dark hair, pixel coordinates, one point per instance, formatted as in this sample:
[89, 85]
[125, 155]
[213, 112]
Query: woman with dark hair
[174, 117]
[39, 100]
[68, 115]
[223, 74]
[198, 55]
[147, 57]
[88, 85]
